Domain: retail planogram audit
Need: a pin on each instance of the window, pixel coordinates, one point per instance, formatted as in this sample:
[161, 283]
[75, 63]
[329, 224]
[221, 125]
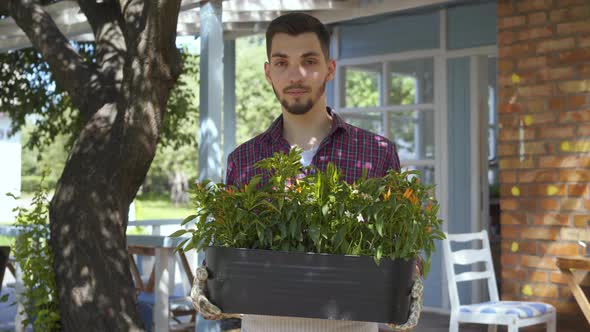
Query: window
[362, 85]
[411, 82]
[394, 99]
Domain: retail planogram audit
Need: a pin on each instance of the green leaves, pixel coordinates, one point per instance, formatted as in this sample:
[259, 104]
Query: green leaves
[390, 217]
[35, 258]
[178, 233]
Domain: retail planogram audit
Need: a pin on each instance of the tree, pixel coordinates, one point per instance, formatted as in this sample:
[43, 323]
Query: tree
[118, 98]
[176, 159]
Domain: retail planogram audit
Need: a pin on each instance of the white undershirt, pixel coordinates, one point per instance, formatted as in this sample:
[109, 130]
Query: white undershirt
[259, 323]
[307, 156]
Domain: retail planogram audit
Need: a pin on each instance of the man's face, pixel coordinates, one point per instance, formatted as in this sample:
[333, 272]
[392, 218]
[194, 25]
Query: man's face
[298, 71]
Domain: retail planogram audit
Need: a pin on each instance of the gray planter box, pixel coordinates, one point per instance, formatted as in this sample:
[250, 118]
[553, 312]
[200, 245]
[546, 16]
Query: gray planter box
[338, 287]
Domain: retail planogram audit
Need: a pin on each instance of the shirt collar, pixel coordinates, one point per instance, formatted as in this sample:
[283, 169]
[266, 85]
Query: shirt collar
[275, 131]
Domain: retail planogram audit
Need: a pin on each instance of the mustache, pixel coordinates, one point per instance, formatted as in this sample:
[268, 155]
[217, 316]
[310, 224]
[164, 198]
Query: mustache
[296, 87]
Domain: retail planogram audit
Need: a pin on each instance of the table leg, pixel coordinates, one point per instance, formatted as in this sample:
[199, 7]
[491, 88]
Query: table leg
[578, 293]
[162, 290]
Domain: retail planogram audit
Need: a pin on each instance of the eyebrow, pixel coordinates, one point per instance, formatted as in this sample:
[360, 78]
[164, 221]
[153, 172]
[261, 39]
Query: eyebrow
[305, 55]
[308, 54]
[279, 55]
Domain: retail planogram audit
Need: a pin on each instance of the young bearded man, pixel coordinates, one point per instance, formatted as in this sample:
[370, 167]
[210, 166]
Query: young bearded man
[298, 69]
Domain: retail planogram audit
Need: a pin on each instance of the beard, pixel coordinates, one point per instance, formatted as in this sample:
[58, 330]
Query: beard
[299, 108]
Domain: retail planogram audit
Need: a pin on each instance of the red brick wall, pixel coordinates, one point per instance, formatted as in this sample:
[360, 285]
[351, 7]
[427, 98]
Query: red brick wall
[544, 144]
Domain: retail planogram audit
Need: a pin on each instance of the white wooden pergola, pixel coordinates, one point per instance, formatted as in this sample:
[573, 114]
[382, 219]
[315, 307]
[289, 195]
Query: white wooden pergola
[218, 23]
[239, 17]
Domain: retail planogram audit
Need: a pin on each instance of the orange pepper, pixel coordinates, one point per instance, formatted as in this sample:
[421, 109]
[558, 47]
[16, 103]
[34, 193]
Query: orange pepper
[387, 195]
[409, 195]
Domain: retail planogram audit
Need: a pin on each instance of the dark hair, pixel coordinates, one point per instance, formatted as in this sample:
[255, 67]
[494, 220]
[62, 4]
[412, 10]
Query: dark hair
[295, 24]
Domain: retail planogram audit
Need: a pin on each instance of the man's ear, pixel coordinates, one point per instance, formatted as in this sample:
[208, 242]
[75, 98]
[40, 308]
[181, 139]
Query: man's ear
[331, 69]
[267, 72]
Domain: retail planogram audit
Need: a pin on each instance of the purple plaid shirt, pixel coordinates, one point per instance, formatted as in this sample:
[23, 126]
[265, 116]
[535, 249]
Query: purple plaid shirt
[350, 148]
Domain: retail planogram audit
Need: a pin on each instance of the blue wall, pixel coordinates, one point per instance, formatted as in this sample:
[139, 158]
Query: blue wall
[471, 26]
[459, 156]
[389, 34]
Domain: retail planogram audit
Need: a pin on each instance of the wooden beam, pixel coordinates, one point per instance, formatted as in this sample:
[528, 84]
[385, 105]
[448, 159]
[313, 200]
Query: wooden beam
[376, 8]
[192, 16]
[279, 5]
[20, 41]
[240, 17]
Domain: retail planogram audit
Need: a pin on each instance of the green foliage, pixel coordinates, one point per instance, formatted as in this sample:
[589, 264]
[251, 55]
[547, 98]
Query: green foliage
[49, 133]
[256, 105]
[35, 162]
[390, 217]
[27, 87]
[182, 115]
[33, 254]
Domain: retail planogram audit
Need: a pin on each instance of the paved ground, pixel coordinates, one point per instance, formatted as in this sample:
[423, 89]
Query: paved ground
[429, 322]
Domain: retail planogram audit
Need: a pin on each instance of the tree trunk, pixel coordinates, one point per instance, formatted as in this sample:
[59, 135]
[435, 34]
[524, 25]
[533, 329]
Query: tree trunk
[89, 212]
[122, 98]
[178, 187]
[88, 216]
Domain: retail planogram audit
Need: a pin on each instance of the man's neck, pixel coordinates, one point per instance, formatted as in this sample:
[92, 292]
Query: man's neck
[307, 130]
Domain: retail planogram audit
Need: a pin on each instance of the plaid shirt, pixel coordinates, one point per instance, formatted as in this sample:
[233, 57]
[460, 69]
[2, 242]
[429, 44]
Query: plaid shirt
[350, 148]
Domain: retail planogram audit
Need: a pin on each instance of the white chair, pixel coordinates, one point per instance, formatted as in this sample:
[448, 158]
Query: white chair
[514, 314]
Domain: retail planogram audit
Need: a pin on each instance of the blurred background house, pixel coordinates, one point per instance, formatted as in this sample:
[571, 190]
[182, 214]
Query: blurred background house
[10, 168]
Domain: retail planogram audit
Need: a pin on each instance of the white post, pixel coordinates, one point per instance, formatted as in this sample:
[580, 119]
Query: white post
[20, 308]
[211, 71]
[163, 279]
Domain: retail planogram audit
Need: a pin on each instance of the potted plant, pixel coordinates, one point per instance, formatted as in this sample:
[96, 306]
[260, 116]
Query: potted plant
[308, 244]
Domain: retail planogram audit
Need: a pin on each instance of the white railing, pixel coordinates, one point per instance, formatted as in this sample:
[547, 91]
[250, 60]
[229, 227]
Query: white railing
[156, 224]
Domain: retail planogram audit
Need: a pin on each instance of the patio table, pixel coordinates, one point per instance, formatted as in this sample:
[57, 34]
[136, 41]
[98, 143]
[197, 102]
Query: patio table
[567, 265]
[164, 273]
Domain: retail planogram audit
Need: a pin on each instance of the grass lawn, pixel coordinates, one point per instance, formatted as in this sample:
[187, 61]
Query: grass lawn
[150, 208]
[6, 241]
[160, 208]
[146, 208]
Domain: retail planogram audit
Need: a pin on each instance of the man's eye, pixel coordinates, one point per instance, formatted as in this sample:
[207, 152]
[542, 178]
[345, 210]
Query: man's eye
[310, 62]
[280, 63]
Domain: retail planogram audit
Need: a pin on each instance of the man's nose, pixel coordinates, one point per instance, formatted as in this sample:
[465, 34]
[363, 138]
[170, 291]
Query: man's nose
[296, 73]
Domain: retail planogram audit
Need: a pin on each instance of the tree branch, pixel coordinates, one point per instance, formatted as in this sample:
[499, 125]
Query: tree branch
[106, 21]
[151, 34]
[71, 72]
[152, 68]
